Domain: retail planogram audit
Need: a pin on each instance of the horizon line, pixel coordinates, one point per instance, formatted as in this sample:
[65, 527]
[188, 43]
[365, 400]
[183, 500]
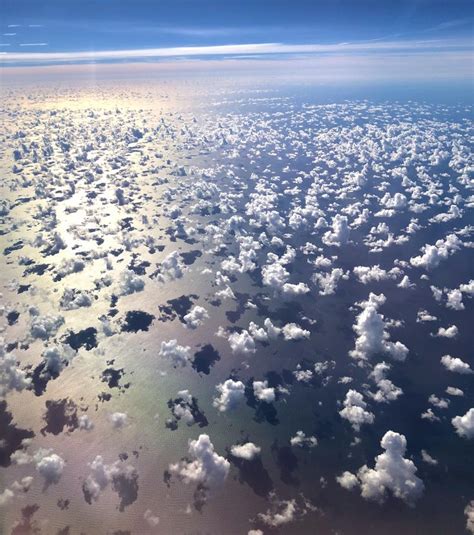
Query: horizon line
[8, 59]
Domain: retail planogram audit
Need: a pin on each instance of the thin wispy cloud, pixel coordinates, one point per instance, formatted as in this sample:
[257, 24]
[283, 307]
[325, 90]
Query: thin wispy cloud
[233, 50]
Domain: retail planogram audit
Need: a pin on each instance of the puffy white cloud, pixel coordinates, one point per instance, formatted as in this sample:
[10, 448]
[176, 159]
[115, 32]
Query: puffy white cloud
[275, 275]
[464, 425]
[437, 293]
[242, 343]
[44, 327]
[283, 512]
[468, 288]
[258, 333]
[118, 420]
[434, 254]
[272, 331]
[196, 317]
[423, 316]
[151, 519]
[85, 423]
[354, 410]
[469, 512]
[226, 293]
[130, 283]
[231, 394]
[68, 266]
[205, 465]
[263, 392]
[397, 202]
[102, 474]
[73, 299]
[387, 391]
[48, 464]
[456, 365]
[439, 403]
[339, 235]
[247, 451]
[328, 282]
[179, 355]
[54, 358]
[347, 480]
[392, 472]
[301, 440]
[292, 331]
[367, 274]
[405, 283]
[6, 497]
[171, 268]
[11, 376]
[372, 337]
[448, 332]
[295, 289]
[430, 415]
[428, 459]
[454, 300]
[453, 391]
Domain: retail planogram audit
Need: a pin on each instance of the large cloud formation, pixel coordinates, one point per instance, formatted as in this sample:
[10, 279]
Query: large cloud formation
[392, 472]
[206, 466]
[372, 336]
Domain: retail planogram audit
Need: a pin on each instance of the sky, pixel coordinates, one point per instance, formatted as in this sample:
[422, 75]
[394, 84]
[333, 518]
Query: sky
[36, 32]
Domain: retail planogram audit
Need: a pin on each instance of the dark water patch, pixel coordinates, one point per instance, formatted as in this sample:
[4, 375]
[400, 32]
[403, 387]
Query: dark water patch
[287, 462]
[125, 484]
[254, 474]
[37, 269]
[264, 412]
[182, 404]
[137, 320]
[126, 223]
[242, 300]
[178, 307]
[167, 478]
[23, 288]
[63, 504]
[14, 247]
[112, 377]
[41, 376]
[190, 257]
[60, 414]
[205, 358]
[200, 497]
[11, 436]
[12, 317]
[138, 267]
[86, 338]
[27, 525]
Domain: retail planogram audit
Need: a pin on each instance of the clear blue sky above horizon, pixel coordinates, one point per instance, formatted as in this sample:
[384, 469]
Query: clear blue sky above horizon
[73, 25]
[32, 28]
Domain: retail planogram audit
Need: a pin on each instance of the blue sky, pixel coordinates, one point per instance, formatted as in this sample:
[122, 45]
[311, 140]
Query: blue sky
[30, 27]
